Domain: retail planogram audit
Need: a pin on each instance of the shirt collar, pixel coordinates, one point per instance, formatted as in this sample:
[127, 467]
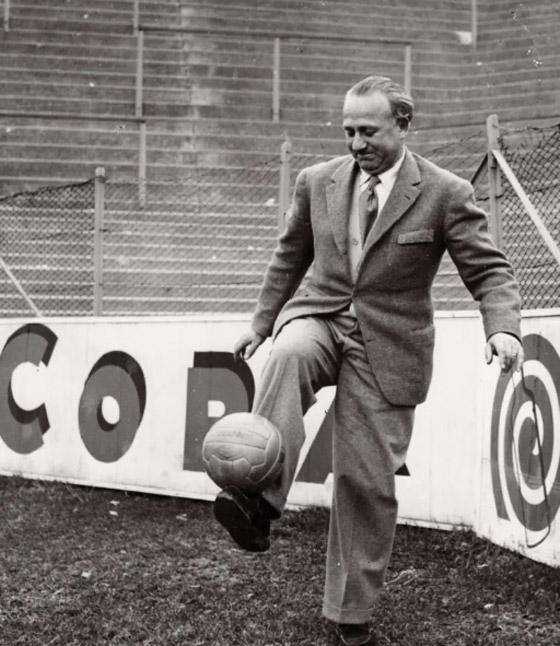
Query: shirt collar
[387, 177]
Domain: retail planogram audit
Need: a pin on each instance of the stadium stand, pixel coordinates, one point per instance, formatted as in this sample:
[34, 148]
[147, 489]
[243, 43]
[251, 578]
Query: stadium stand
[68, 105]
[208, 97]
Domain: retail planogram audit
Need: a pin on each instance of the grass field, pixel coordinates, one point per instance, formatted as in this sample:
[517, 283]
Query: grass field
[84, 567]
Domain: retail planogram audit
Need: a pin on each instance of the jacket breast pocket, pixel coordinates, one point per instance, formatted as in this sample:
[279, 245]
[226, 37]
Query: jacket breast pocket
[415, 237]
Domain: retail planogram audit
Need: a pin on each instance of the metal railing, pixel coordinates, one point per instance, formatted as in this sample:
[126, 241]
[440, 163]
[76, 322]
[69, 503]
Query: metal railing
[65, 116]
[6, 21]
[276, 38]
[474, 24]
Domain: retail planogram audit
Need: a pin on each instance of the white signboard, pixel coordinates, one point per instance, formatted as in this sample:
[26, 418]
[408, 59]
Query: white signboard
[126, 403]
[519, 499]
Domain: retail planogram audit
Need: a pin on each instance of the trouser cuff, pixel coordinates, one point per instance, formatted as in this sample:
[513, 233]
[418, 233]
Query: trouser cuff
[346, 615]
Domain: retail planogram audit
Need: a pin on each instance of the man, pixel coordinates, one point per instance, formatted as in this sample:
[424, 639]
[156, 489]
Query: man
[375, 225]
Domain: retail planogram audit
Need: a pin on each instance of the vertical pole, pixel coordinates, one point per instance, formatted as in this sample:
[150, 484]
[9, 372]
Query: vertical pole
[474, 23]
[284, 187]
[136, 17]
[142, 161]
[494, 180]
[98, 227]
[138, 104]
[6, 15]
[408, 68]
[276, 82]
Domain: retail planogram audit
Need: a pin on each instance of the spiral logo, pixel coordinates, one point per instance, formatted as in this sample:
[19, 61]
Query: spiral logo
[525, 441]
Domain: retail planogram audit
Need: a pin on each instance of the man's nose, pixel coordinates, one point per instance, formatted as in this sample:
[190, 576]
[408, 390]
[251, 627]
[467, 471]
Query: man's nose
[358, 142]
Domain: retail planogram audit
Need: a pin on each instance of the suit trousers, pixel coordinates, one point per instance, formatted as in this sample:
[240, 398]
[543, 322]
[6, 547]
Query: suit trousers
[370, 441]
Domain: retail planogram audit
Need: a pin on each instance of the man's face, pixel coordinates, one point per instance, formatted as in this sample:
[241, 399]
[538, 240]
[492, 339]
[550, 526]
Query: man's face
[372, 134]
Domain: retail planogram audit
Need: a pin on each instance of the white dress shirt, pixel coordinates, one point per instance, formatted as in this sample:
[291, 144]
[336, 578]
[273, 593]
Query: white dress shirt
[382, 190]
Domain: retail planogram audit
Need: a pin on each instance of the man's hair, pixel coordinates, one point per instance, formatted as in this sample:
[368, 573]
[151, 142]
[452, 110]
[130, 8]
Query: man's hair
[402, 106]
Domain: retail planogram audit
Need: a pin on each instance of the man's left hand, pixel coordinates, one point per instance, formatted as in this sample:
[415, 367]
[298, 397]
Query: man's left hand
[507, 348]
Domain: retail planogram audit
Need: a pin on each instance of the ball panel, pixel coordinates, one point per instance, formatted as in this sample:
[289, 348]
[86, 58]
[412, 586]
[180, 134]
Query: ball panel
[224, 472]
[234, 436]
[254, 456]
[244, 450]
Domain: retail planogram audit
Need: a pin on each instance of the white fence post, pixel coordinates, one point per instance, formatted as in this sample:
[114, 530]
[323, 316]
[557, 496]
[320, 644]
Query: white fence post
[98, 227]
[276, 82]
[408, 68]
[136, 17]
[474, 23]
[142, 163]
[139, 99]
[6, 15]
[284, 186]
[494, 180]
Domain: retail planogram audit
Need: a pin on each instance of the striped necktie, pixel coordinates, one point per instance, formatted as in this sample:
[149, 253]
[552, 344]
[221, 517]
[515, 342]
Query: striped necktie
[368, 207]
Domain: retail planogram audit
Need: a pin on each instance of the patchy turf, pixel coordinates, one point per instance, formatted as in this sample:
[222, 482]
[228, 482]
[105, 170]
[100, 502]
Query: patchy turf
[87, 567]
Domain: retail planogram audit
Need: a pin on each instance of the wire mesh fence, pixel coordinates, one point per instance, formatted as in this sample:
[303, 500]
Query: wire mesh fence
[202, 244]
[465, 157]
[46, 241]
[197, 246]
[533, 155]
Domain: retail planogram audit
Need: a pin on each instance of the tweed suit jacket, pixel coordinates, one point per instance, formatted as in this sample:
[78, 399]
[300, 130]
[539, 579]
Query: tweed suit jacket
[428, 211]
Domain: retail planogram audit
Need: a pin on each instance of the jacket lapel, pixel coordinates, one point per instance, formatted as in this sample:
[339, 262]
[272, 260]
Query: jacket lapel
[401, 198]
[339, 200]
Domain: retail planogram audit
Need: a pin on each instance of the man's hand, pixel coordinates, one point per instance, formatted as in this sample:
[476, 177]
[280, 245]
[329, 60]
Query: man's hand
[247, 344]
[508, 350]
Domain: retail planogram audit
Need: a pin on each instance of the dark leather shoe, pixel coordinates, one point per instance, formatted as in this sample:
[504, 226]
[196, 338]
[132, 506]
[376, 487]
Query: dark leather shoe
[355, 635]
[246, 518]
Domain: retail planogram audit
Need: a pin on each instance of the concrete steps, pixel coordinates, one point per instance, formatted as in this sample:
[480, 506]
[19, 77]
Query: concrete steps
[338, 11]
[203, 238]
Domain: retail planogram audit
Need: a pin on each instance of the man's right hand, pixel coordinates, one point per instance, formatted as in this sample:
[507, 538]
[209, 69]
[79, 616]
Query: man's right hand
[247, 344]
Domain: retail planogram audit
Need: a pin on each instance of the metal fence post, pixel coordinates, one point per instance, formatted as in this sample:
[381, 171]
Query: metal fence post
[139, 100]
[284, 187]
[6, 15]
[142, 162]
[494, 180]
[276, 81]
[136, 16]
[98, 227]
[408, 68]
[474, 23]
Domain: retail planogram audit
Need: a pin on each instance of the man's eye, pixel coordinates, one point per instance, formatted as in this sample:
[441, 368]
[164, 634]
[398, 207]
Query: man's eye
[349, 133]
[369, 133]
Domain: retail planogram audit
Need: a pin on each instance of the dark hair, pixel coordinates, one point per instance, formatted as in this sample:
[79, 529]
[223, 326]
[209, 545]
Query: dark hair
[402, 106]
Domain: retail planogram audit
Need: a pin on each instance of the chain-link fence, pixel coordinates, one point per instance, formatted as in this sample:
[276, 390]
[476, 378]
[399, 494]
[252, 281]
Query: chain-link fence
[46, 245]
[466, 158]
[197, 246]
[533, 154]
[202, 244]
